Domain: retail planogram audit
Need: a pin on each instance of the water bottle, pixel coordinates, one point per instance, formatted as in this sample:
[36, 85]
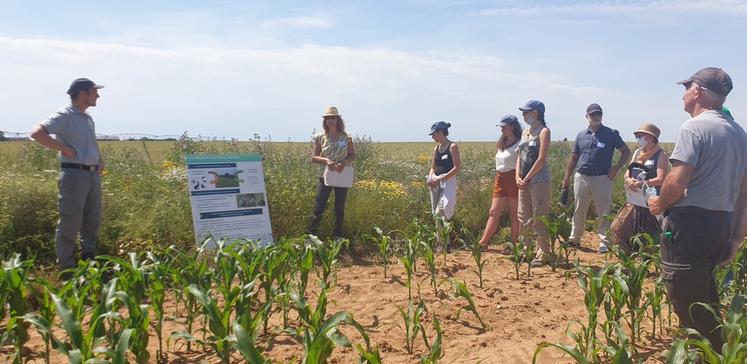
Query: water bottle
[650, 191]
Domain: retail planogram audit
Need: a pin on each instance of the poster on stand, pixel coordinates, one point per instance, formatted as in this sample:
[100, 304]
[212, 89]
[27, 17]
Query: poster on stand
[228, 197]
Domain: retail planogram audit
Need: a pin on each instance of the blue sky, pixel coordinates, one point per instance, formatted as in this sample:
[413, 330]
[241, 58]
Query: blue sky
[235, 68]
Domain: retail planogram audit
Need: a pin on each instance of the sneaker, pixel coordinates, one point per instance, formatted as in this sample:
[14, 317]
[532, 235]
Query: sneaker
[536, 263]
[603, 249]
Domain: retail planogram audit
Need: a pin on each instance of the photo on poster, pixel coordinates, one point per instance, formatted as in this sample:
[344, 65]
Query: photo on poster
[250, 200]
[209, 179]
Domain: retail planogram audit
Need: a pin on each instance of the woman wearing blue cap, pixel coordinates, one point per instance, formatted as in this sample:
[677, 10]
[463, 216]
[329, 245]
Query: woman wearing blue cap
[533, 177]
[445, 166]
[505, 191]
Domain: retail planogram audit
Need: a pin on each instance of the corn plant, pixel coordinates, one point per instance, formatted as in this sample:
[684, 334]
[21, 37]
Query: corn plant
[15, 286]
[193, 271]
[517, 256]
[44, 315]
[429, 258]
[634, 274]
[734, 333]
[305, 261]
[476, 250]
[435, 349]
[558, 229]
[328, 257]
[409, 261]
[461, 290]
[593, 284]
[443, 234]
[617, 351]
[273, 267]
[411, 323]
[219, 324]
[160, 271]
[383, 242]
[655, 300]
[244, 343]
[320, 334]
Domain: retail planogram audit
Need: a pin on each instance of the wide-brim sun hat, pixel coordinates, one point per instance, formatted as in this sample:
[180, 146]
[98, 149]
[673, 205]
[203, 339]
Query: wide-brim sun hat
[650, 129]
[331, 111]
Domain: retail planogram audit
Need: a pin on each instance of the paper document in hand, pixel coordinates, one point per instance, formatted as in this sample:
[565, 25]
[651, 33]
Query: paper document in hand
[339, 179]
[637, 198]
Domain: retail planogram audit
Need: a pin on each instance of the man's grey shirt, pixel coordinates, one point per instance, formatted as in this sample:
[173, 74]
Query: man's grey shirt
[76, 130]
[716, 147]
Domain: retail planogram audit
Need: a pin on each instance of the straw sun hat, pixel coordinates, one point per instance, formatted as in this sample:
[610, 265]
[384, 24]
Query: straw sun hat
[650, 129]
[331, 111]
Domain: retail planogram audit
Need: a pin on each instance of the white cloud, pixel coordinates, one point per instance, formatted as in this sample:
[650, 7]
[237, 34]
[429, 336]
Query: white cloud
[235, 92]
[303, 22]
[723, 7]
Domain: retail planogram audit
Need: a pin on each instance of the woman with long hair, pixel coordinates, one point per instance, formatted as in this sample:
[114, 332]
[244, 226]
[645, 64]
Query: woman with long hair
[445, 166]
[333, 150]
[505, 191]
[533, 178]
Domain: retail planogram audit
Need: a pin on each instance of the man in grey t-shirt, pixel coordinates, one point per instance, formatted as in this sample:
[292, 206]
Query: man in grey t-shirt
[704, 201]
[80, 164]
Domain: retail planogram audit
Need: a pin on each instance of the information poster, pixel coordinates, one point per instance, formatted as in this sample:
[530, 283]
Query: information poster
[228, 196]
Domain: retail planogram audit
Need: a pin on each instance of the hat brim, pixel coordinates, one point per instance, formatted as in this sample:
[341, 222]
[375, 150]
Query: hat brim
[593, 111]
[645, 132]
[97, 86]
[683, 82]
[524, 108]
[331, 115]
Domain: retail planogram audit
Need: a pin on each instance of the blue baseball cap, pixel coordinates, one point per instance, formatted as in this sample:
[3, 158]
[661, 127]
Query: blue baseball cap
[439, 125]
[508, 120]
[534, 105]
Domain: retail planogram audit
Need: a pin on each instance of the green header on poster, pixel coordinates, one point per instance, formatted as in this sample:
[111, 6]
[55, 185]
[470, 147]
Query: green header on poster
[221, 158]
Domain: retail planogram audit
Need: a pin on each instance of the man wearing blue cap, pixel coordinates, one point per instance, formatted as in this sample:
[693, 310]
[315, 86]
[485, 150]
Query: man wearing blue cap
[592, 162]
[704, 202]
[80, 166]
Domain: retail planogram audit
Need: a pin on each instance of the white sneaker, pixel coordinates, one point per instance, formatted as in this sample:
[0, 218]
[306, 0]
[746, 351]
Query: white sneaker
[603, 249]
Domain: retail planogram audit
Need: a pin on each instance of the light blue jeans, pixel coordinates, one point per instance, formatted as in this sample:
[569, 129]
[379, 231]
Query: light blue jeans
[79, 203]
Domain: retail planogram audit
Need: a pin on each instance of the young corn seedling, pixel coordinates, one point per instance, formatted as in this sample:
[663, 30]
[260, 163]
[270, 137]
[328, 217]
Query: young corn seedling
[558, 229]
[244, 343]
[476, 250]
[409, 260]
[700, 350]
[429, 258]
[634, 274]
[328, 257]
[411, 323]
[443, 234]
[218, 324]
[306, 264]
[14, 286]
[655, 300]
[461, 290]
[160, 272]
[593, 284]
[435, 349]
[517, 257]
[616, 298]
[320, 334]
[383, 241]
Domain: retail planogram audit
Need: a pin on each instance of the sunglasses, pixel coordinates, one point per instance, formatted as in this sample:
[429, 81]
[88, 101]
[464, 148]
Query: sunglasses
[523, 112]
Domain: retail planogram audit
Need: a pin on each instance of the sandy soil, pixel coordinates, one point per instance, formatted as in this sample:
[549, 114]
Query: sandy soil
[520, 314]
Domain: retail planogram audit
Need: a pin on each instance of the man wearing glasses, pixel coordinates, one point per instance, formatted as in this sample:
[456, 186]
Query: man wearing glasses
[592, 162]
[704, 201]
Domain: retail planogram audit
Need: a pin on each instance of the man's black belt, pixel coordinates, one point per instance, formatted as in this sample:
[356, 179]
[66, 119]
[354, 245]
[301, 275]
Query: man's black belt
[92, 168]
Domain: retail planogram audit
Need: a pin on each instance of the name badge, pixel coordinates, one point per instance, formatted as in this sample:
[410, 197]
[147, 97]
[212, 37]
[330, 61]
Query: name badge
[532, 143]
[600, 144]
[444, 157]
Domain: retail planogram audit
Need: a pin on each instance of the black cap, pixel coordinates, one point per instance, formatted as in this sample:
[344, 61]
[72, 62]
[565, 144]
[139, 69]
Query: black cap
[593, 108]
[508, 120]
[81, 84]
[712, 78]
[439, 125]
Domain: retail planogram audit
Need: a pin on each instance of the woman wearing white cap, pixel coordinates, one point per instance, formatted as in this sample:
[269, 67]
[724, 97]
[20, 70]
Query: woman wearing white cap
[333, 149]
[505, 192]
[445, 166]
[650, 164]
[533, 178]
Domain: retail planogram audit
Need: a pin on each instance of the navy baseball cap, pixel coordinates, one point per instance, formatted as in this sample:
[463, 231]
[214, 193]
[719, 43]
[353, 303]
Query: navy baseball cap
[508, 120]
[534, 105]
[593, 108]
[712, 78]
[81, 84]
[439, 125]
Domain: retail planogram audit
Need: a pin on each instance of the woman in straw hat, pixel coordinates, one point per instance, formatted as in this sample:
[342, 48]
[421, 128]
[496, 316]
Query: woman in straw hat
[333, 149]
[650, 164]
[505, 191]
